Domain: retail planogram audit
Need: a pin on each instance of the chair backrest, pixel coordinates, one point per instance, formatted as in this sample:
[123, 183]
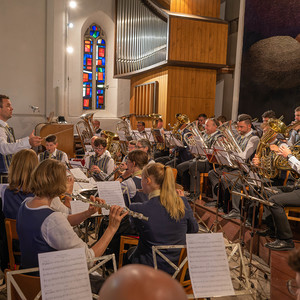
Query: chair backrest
[11, 233]
[174, 173]
[29, 285]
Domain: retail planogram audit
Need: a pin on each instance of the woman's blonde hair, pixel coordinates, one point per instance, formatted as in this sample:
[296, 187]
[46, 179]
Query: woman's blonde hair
[22, 165]
[169, 199]
[49, 179]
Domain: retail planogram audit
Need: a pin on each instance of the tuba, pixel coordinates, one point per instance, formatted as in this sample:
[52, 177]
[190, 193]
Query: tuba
[113, 143]
[181, 119]
[158, 139]
[85, 129]
[271, 162]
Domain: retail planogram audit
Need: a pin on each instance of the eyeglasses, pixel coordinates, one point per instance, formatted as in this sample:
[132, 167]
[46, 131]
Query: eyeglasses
[292, 287]
[99, 148]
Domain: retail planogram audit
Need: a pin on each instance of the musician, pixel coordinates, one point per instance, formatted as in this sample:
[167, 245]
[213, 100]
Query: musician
[269, 114]
[294, 137]
[247, 141]
[96, 125]
[221, 119]
[165, 151]
[123, 167]
[146, 282]
[145, 145]
[136, 161]
[8, 144]
[294, 263]
[201, 119]
[52, 151]
[92, 144]
[141, 127]
[41, 229]
[170, 217]
[197, 166]
[22, 166]
[100, 164]
[284, 235]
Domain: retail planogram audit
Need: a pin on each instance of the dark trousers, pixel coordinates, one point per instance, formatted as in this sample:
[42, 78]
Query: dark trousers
[282, 226]
[197, 167]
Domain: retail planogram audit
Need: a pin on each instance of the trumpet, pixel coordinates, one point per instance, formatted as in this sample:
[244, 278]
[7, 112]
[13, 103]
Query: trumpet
[131, 213]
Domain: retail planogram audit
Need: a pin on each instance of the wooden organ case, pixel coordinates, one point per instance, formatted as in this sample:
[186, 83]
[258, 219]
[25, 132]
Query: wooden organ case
[179, 49]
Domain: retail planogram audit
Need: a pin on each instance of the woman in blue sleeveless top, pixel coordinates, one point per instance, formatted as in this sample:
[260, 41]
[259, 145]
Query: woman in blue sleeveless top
[22, 165]
[170, 217]
[41, 229]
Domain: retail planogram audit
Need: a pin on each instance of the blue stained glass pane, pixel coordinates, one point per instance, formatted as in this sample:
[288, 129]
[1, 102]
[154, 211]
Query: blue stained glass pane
[90, 76]
[94, 27]
[103, 61]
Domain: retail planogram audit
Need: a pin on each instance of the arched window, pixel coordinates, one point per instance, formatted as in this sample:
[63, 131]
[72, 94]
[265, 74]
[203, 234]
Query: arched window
[94, 68]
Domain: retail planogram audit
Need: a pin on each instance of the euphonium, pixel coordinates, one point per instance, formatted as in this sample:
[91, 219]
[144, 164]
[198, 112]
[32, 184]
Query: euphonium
[290, 127]
[229, 142]
[194, 131]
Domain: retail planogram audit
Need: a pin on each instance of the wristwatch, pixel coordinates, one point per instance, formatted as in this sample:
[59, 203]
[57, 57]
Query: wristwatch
[289, 156]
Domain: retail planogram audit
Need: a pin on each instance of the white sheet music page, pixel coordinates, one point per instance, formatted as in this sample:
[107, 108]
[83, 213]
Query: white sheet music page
[64, 275]
[111, 192]
[208, 265]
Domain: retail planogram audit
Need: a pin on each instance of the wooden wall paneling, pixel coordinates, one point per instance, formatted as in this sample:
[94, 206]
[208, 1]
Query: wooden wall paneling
[161, 76]
[205, 8]
[151, 95]
[191, 91]
[207, 44]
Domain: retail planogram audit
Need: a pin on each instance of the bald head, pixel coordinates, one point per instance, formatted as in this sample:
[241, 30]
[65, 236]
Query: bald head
[135, 282]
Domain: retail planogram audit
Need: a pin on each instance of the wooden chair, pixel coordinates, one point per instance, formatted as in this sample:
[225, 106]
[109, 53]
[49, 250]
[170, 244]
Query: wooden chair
[289, 209]
[11, 233]
[175, 173]
[126, 240]
[22, 286]
[202, 178]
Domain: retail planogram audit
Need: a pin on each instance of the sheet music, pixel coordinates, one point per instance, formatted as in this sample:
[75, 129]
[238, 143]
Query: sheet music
[78, 185]
[199, 147]
[78, 206]
[208, 265]
[111, 192]
[222, 156]
[64, 275]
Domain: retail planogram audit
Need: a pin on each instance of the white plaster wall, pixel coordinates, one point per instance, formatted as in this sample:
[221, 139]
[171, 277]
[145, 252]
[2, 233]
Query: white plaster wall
[34, 67]
[22, 60]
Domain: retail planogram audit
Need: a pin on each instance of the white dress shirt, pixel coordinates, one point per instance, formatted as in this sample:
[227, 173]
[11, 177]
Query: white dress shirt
[11, 148]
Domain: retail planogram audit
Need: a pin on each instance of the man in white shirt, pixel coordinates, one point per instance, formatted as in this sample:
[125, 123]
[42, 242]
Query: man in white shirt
[8, 144]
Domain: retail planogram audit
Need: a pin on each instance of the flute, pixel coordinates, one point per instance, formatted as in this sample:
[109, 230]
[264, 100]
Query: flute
[134, 214]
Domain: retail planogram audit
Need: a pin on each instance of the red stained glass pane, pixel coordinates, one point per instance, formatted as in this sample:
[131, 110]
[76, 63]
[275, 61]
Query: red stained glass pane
[100, 99]
[89, 67]
[86, 102]
[101, 52]
[89, 61]
[88, 91]
[85, 77]
[87, 48]
[100, 76]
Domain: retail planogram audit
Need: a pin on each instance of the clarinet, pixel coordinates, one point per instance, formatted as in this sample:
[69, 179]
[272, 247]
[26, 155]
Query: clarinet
[112, 173]
[134, 214]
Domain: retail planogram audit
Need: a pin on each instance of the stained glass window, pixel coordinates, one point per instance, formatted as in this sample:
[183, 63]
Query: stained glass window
[94, 68]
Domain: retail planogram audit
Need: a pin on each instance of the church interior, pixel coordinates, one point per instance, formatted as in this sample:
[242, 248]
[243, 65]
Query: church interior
[205, 92]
